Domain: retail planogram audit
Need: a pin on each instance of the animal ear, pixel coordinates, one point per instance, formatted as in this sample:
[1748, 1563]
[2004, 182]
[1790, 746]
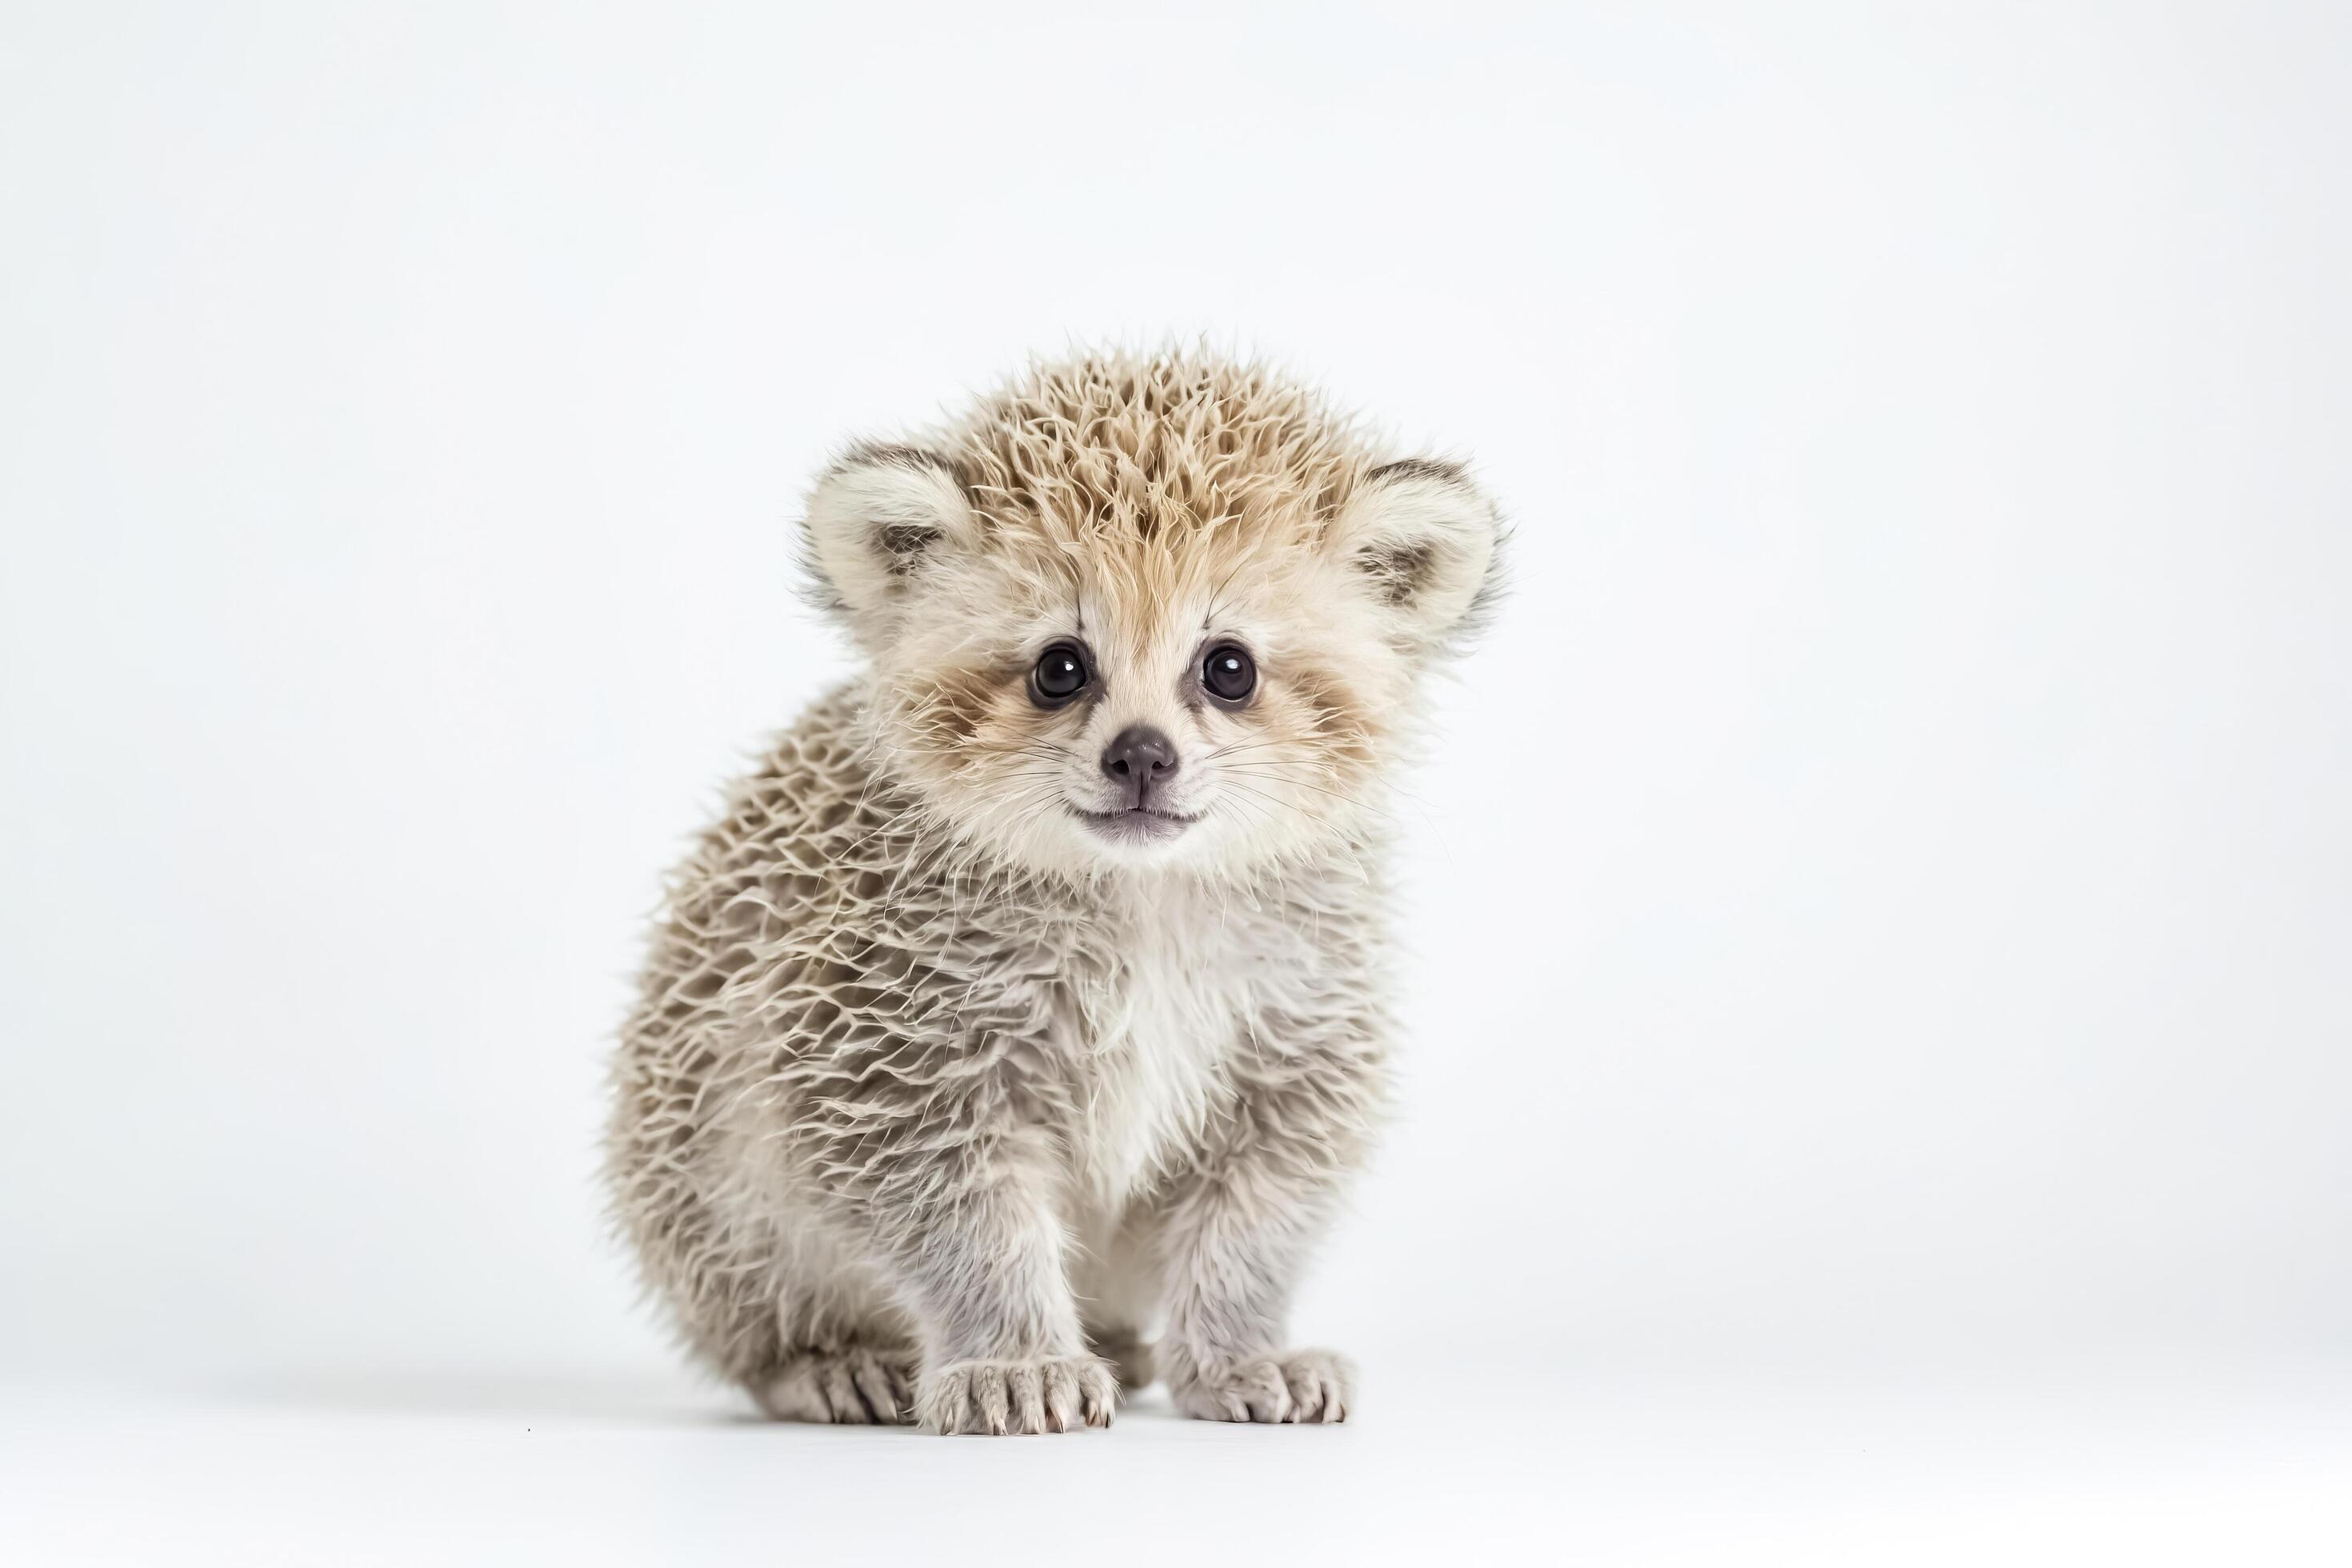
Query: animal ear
[877, 517]
[1424, 539]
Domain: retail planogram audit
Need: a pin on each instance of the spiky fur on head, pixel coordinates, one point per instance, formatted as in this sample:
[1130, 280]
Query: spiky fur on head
[1149, 507]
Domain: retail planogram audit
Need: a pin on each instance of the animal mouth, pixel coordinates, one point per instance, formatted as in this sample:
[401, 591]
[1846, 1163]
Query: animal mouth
[1137, 825]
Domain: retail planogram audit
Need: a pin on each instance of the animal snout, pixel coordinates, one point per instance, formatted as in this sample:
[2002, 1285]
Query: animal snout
[1140, 761]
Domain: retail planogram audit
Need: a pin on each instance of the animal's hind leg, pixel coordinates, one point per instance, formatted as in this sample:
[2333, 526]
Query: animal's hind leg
[774, 1309]
[851, 1385]
[844, 1354]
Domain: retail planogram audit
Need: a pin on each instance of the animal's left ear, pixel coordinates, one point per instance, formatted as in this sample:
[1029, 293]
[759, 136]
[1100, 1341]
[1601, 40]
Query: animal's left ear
[1425, 538]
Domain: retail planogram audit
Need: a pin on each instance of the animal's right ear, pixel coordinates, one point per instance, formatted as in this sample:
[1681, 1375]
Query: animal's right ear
[879, 517]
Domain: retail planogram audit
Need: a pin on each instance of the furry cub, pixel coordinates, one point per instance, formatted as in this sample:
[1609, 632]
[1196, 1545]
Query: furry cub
[1031, 993]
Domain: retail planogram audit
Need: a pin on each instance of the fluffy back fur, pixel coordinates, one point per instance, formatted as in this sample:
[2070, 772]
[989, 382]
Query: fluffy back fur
[948, 1082]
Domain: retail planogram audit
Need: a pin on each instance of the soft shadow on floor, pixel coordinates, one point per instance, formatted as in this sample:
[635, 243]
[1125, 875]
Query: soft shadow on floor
[594, 1397]
[633, 1399]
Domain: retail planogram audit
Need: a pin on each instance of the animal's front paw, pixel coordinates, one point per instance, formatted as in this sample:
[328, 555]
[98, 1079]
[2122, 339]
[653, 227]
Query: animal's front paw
[1050, 1394]
[1296, 1386]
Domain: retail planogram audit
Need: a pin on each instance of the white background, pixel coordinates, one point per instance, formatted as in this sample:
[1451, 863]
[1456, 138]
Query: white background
[1880, 916]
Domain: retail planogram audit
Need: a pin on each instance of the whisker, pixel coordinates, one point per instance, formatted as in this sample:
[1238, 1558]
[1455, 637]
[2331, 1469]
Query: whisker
[1318, 789]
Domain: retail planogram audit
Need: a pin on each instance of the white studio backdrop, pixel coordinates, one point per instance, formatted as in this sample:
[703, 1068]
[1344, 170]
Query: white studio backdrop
[1883, 897]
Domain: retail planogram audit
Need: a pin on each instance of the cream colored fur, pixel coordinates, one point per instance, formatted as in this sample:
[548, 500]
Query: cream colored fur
[936, 1100]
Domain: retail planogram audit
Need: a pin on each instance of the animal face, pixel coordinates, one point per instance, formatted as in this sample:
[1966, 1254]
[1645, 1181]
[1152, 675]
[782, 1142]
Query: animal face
[1165, 613]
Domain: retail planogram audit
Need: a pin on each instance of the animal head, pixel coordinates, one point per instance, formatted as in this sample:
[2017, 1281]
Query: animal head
[1135, 612]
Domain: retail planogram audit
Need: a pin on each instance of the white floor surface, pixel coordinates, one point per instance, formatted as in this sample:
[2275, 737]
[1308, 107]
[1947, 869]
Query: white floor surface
[2137, 1467]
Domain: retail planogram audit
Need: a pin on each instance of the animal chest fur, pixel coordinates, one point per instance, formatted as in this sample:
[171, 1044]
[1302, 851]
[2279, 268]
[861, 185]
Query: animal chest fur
[1152, 1035]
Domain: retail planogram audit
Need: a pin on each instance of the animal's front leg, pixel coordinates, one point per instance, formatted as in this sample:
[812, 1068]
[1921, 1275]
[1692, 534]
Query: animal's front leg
[1236, 1261]
[941, 1165]
[1237, 1231]
[1004, 1352]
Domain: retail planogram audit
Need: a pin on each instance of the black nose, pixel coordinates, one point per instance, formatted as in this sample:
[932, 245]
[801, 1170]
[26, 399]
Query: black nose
[1140, 761]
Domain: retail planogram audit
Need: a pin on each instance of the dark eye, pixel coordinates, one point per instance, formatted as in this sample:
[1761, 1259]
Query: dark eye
[1059, 674]
[1228, 673]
